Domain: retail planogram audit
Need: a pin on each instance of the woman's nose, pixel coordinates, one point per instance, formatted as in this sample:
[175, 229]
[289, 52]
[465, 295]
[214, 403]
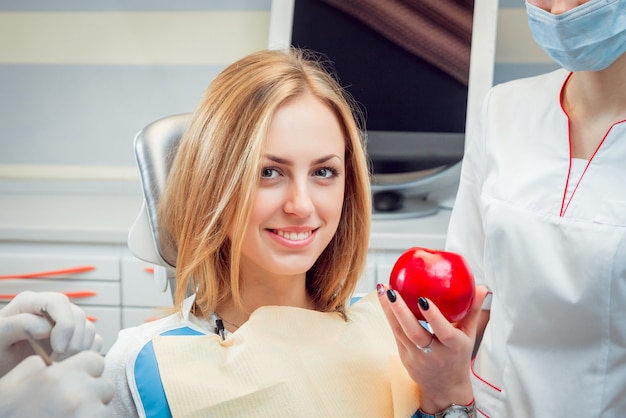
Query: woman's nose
[299, 201]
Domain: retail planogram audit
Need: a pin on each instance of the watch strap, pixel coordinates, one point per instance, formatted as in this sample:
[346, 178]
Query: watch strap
[469, 409]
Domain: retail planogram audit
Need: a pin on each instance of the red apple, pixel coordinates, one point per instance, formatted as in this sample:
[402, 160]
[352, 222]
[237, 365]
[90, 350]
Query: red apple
[441, 276]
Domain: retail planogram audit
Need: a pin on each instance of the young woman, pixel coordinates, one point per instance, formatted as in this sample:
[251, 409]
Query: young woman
[541, 218]
[268, 207]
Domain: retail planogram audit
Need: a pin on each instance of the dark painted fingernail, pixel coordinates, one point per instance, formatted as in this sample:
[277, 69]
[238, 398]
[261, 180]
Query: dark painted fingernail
[391, 295]
[423, 303]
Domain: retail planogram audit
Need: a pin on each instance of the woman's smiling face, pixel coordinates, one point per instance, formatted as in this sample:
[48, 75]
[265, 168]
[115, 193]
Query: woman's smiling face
[300, 193]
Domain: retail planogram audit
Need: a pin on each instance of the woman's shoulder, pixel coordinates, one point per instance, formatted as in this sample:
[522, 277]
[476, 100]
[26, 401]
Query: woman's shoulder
[132, 339]
[534, 85]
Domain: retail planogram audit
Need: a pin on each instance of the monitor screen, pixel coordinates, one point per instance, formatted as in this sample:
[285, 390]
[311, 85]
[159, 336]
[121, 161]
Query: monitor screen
[407, 65]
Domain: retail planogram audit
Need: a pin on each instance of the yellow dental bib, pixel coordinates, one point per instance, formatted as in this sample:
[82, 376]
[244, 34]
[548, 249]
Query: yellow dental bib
[290, 362]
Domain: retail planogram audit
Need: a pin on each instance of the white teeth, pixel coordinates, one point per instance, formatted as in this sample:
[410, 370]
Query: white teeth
[294, 236]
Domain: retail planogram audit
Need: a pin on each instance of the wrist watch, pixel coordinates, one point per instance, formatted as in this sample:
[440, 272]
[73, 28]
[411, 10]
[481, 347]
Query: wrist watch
[453, 411]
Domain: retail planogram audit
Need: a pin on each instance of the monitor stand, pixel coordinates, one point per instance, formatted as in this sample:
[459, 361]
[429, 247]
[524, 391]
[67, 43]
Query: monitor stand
[386, 208]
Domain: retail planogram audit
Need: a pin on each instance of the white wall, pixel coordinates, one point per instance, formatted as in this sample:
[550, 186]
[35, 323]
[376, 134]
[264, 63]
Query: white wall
[78, 79]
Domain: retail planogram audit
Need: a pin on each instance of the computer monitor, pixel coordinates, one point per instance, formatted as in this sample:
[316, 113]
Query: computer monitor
[419, 77]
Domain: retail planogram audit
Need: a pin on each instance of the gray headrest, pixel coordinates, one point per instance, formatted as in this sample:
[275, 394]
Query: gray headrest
[155, 148]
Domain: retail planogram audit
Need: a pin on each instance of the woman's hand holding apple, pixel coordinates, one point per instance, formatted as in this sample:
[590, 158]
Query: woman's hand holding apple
[443, 374]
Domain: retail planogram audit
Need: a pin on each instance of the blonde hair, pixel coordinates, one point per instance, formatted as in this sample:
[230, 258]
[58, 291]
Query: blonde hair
[214, 176]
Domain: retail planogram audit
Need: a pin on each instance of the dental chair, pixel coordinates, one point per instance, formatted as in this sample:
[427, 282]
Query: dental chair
[155, 148]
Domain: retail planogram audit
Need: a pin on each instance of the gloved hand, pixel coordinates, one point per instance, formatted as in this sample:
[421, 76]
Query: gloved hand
[71, 388]
[71, 333]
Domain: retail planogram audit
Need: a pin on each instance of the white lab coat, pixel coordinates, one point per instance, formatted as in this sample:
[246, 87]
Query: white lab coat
[555, 345]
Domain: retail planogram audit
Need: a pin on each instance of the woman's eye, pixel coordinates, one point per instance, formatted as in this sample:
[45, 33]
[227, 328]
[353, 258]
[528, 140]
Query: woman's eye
[326, 172]
[269, 173]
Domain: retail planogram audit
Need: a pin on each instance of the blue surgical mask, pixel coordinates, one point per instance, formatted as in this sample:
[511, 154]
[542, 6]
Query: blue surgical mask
[589, 37]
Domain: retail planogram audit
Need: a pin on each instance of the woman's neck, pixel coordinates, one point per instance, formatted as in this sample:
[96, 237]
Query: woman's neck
[257, 292]
[594, 101]
[593, 93]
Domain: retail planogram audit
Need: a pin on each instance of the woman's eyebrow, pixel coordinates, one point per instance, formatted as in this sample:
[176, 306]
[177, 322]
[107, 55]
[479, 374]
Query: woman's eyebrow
[280, 160]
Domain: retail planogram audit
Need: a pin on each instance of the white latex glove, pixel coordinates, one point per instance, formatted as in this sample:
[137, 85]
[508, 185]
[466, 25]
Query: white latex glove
[74, 387]
[71, 333]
